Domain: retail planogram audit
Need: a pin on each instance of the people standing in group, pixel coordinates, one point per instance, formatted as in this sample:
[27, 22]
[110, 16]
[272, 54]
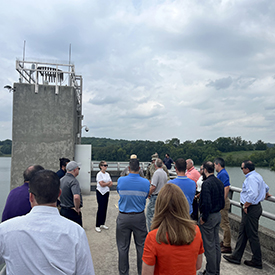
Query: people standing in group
[254, 191]
[225, 225]
[104, 182]
[174, 246]
[168, 161]
[188, 186]
[126, 172]
[18, 202]
[43, 242]
[133, 191]
[152, 168]
[71, 197]
[62, 164]
[159, 179]
[210, 204]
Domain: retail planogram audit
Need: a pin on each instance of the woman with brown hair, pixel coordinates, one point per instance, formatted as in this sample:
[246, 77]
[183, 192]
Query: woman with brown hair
[174, 246]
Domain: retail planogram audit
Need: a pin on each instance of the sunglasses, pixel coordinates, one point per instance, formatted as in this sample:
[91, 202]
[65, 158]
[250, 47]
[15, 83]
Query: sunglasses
[105, 165]
[242, 168]
[31, 192]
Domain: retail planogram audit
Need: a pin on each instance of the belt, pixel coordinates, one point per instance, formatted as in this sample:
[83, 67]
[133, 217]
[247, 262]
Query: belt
[131, 213]
[251, 204]
[154, 195]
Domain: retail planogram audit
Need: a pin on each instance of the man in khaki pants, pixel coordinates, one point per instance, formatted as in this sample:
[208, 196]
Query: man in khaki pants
[225, 226]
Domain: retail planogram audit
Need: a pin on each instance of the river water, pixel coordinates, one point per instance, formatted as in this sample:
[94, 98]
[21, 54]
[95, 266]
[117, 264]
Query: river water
[235, 173]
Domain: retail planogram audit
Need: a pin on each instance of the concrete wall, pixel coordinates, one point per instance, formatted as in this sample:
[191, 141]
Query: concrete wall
[266, 237]
[44, 128]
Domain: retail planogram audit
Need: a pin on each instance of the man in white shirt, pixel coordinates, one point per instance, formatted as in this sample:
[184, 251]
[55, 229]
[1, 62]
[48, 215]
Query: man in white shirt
[43, 242]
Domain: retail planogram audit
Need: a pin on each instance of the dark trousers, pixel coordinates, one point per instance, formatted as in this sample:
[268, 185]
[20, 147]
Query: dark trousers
[195, 205]
[249, 231]
[71, 215]
[211, 243]
[102, 201]
[125, 225]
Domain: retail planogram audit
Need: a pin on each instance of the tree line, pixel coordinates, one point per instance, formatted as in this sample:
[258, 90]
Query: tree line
[262, 154]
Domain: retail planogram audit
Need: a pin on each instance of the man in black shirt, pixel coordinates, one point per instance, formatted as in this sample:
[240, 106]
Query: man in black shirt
[211, 202]
[168, 161]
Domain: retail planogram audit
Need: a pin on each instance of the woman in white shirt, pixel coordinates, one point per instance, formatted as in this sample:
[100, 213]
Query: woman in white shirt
[104, 182]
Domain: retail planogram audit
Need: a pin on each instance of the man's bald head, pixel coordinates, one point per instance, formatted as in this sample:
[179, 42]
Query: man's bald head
[189, 164]
[30, 171]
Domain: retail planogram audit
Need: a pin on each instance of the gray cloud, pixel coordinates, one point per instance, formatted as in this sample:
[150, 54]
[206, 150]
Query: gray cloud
[152, 70]
[222, 83]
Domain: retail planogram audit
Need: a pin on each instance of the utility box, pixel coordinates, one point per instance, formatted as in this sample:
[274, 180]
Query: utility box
[46, 120]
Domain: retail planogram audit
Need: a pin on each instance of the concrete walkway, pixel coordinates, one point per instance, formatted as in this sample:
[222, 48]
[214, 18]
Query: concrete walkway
[104, 250]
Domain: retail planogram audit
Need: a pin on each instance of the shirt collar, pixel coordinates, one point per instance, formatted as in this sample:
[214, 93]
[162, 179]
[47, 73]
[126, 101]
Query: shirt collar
[189, 170]
[248, 174]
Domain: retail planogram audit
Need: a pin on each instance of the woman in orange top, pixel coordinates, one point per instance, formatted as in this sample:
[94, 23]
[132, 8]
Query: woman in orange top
[174, 246]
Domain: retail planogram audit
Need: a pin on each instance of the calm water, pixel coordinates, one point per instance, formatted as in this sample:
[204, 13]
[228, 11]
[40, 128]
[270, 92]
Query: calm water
[5, 169]
[235, 173]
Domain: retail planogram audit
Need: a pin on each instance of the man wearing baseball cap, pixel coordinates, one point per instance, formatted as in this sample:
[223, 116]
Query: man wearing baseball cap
[126, 171]
[71, 198]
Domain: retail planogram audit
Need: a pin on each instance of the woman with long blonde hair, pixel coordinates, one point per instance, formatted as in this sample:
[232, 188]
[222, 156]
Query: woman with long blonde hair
[174, 246]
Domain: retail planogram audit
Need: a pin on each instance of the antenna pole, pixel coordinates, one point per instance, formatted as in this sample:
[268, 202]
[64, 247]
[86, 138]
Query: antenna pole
[70, 54]
[24, 50]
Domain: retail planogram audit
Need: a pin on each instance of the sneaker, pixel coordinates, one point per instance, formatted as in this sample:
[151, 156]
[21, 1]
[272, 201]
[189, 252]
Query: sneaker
[253, 264]
[231, 259]
[226, 249]
[97, 229]
[104, 227]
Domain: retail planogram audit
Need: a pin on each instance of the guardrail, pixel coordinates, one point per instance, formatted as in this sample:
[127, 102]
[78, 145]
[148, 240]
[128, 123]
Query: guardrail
[116, 166]
[237, 204]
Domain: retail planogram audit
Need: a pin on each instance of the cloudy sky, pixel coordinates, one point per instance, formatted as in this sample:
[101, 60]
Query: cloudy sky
[153, 69]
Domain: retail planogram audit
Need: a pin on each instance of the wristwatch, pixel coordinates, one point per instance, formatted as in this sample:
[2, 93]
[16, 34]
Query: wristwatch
[244, 207]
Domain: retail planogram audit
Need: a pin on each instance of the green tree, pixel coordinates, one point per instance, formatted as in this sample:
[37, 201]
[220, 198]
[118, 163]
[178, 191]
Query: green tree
[260, 145]
[6, 149]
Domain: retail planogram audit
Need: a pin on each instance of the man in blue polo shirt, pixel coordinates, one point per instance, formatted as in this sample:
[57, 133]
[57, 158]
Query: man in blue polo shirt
[187, 185]
[133, 191]
[224, 225]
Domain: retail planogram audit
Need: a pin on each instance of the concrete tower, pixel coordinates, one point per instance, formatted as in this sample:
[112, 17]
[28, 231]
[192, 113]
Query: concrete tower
[46, 116]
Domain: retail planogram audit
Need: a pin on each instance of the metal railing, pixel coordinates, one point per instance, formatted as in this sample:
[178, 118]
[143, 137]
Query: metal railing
[116, 166]
[237, 204]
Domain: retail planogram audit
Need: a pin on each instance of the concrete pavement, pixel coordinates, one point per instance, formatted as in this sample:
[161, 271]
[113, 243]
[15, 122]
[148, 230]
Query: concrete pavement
[104, 250]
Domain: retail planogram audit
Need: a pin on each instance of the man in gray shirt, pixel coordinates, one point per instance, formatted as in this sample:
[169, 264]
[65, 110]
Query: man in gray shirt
[158, 180]
[71, 198]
